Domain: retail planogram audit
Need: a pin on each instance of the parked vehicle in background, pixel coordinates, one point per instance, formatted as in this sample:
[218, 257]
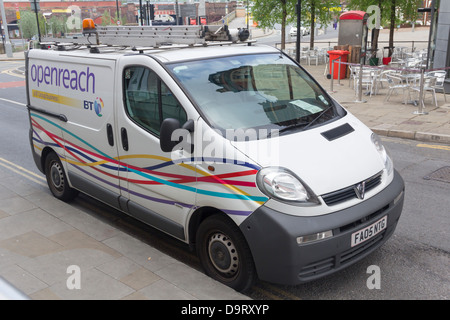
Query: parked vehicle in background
[303, 31]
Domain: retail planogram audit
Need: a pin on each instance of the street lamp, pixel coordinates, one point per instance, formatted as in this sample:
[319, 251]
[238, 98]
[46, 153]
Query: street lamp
[8, 47]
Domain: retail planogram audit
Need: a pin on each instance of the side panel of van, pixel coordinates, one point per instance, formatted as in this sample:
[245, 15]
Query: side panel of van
[160, 191]
[90, 147]
[45, 112]
[72, 112]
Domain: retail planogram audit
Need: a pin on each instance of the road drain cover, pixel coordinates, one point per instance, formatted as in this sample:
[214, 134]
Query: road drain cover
[442, 174]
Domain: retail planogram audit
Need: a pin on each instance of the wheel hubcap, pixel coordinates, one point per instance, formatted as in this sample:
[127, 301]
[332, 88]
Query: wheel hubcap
[57, 177]
[223, 254]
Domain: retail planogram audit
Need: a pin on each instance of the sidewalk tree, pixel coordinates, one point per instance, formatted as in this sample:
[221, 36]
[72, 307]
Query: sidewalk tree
[318, 11]
[270, 12]
[57, 25]
[28, 24]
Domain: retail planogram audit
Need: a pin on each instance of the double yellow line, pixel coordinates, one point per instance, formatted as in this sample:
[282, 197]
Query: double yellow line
[433, 146]
[23, 172]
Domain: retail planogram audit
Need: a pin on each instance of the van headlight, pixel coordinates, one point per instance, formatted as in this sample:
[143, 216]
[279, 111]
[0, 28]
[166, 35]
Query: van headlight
[388, 164]
[281, 184]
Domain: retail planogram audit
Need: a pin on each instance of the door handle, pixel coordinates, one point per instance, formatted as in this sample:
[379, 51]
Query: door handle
[109, 134]
[124, 136]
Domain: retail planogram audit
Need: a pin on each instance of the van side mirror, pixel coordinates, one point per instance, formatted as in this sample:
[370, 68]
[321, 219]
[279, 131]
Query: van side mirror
[168, 127]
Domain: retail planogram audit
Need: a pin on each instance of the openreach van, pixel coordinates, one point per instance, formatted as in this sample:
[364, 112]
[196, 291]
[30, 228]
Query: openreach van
[224, 144]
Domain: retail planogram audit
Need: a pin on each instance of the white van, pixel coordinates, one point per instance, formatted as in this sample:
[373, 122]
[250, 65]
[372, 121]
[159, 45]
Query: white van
[233, 149]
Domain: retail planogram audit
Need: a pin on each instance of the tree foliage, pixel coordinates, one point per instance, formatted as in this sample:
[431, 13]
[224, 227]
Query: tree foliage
[313, 12]
[270, 12]
[28, 24]
[57, 25]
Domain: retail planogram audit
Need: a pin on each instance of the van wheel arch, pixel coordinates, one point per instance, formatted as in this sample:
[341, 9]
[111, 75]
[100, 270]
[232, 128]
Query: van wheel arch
[44, 154]
[222, 249]
[56, 176]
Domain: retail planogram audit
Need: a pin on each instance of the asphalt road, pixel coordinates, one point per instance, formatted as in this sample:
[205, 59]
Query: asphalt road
[413, 264]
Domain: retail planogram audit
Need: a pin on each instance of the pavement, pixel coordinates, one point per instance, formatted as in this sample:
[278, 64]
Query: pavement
[52, 250]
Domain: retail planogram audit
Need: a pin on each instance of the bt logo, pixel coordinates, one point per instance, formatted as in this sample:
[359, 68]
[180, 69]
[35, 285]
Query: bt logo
[96, 105]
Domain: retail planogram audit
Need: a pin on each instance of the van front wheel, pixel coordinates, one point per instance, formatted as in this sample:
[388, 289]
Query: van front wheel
[224, 253]
[56, 178]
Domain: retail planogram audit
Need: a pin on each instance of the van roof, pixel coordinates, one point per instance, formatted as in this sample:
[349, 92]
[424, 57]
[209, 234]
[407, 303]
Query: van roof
[168, 54]
[201, 53]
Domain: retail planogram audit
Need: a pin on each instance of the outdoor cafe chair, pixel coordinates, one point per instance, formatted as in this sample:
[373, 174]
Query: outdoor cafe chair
[313, 55]
[440, 80]
[382, 79]
[353, 71]
[396, 84]
[428, 87]
[367, 80]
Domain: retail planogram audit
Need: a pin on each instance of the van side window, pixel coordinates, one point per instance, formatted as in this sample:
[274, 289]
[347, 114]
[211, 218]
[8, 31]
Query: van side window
[148, 100]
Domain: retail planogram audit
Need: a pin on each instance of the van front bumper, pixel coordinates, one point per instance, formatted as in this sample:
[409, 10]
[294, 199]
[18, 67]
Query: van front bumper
[272, 237]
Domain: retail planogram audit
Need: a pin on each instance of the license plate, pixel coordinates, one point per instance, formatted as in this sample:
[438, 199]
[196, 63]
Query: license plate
[369, 231]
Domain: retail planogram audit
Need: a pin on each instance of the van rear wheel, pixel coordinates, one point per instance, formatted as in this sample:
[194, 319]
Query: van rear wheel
[57, 179]
[224, 253]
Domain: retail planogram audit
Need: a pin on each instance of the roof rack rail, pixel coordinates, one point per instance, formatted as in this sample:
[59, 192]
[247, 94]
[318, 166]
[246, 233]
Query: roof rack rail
[152, 36]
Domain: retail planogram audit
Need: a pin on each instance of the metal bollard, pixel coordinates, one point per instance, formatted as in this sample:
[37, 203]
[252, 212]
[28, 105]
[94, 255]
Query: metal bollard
[339, 71]
[360, 83]
[332, 73]
[421, 105]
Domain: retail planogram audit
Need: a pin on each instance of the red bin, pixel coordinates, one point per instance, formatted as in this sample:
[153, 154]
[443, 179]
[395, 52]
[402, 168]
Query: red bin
[335, 54]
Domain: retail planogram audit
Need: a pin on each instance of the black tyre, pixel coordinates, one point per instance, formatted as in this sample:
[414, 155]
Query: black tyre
[224, 253]
[57, 180]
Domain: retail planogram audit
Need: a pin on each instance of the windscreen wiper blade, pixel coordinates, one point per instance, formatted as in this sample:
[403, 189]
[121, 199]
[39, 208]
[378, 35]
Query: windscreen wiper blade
[318, 117]
[287, 128]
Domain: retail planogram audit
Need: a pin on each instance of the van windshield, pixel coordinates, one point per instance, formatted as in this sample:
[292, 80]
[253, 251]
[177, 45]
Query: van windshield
[263, 91]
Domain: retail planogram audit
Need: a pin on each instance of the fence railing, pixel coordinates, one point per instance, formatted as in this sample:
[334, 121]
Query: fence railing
[413, 44]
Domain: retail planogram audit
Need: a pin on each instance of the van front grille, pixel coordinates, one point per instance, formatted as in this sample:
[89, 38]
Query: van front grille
[351, 192]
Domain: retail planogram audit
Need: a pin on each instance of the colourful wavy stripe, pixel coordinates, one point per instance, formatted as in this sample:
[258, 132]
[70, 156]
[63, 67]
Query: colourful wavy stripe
[107, 162]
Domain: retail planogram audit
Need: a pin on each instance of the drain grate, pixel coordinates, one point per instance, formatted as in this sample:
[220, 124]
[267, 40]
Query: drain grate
[442, 174]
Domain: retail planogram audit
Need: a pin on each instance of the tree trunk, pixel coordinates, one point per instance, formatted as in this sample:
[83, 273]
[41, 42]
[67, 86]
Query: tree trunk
[312, 33]
[392, 28]
[283, 25]
[375, 34]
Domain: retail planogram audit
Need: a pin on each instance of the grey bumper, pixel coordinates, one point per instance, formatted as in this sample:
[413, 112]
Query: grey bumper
[272, 236]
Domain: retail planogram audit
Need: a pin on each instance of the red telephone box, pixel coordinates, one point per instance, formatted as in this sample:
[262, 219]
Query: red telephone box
[353, 30]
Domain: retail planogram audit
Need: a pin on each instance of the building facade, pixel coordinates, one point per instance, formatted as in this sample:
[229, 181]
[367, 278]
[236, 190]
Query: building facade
[442, 49]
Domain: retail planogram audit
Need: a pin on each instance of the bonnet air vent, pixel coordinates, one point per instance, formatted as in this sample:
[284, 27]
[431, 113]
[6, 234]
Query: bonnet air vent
[338, 132]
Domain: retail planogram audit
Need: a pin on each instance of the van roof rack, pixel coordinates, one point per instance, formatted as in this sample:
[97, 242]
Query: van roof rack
[150, 36]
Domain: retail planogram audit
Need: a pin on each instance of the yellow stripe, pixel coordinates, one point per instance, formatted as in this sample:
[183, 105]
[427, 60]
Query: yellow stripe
[432, 146]
[56, 98]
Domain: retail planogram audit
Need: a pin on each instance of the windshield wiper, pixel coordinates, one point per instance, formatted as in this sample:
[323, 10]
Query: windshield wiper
[304, 125]
[317, 118]
[287, 128]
